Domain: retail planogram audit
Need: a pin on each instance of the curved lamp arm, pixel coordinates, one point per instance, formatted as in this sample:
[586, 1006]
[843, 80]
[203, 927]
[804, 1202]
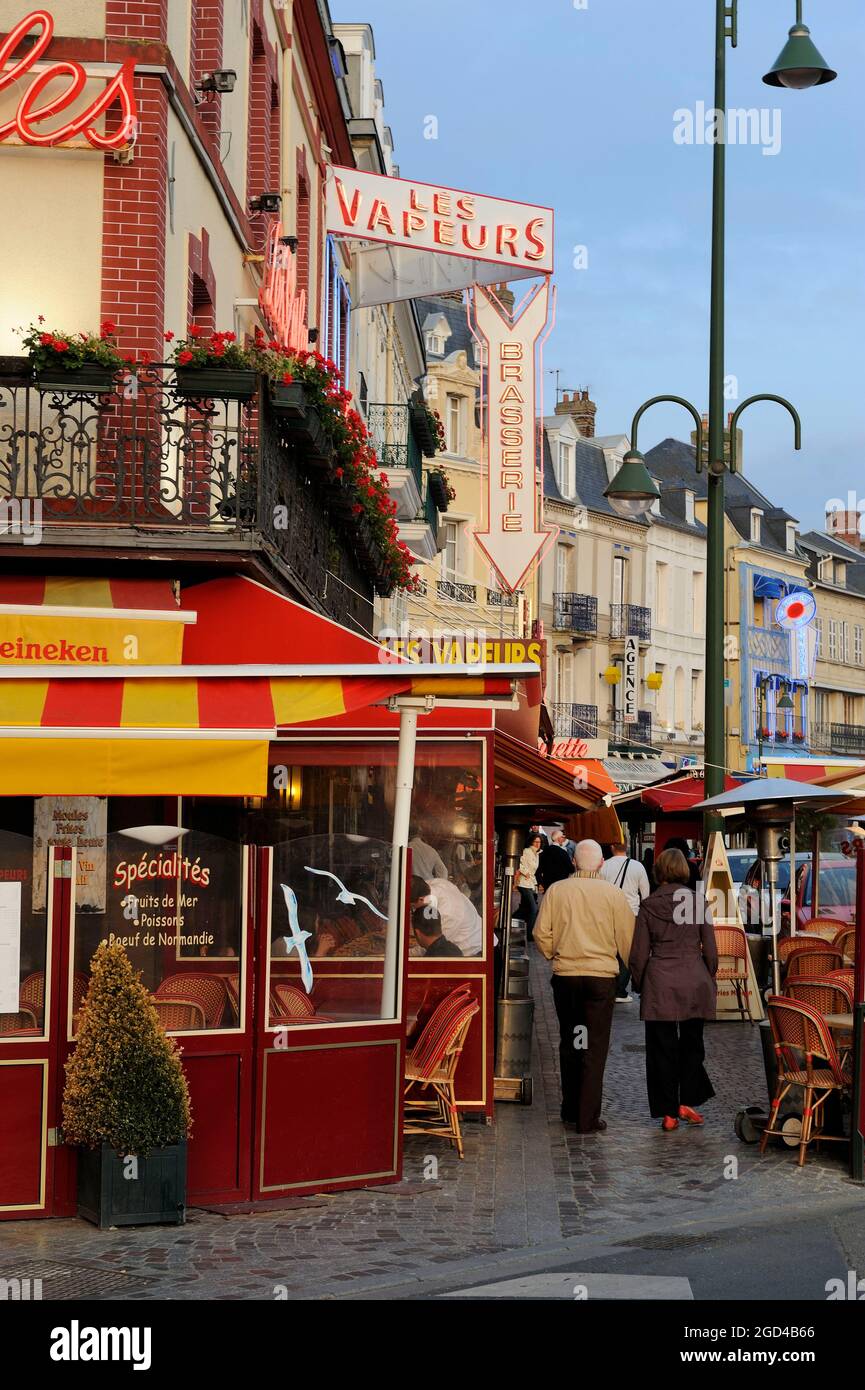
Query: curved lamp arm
[779, 400]
[676, 400]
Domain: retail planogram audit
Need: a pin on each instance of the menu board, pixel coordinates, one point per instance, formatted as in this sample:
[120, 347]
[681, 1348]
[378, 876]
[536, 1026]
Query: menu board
[80, 822]
[10, 946]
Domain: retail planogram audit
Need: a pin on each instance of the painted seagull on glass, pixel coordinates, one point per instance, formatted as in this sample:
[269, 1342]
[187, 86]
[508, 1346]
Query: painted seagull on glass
[298, 938]
[345, 895]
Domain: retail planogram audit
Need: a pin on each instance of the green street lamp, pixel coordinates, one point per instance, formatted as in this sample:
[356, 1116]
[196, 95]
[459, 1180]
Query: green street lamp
[633, 491]
[799, 66]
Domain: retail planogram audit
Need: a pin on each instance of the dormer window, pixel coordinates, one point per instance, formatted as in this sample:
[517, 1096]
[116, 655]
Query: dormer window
[435, 344]
[791, 538]
[565, 472]
[825, 569]
[655, 509]
[756, 526]
[689, 508]
[839, 576]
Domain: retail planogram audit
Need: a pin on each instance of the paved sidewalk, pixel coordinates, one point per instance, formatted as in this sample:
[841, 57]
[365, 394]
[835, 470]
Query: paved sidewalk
[526, 1186]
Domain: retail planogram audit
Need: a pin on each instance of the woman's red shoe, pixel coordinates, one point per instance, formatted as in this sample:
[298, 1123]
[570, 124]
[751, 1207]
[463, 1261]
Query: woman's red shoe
[693, 1118]
[669, 1122]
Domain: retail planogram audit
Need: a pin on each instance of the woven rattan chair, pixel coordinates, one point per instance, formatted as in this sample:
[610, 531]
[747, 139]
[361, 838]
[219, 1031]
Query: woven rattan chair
[802, 1043]
[431, 1066]
[827, 997]
[732, 946]
[786, 944]
[24, 1021]
[825, 927]
[845, 977]
[207, 991]
[290, 1004]
[845, 942]
[180, 1015]
[813, 960]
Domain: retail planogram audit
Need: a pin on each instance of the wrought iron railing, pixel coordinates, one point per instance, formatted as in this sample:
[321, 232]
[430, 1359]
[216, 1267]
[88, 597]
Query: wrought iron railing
[574, 721]
[496, 598]
[451, 590]
[146, 463]
[639, 732]
[847, 738]
[821, 736]
[575, 613]
[394, 439]
[629, 620]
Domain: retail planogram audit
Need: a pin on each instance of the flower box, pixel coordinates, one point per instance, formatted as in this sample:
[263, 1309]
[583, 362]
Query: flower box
[91, 378]
[288, 401]
[424, 429]
[216, 383]
[439, 491]
[109, 1196]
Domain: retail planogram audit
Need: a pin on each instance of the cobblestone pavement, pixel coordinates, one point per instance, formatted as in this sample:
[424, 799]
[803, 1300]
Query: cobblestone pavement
[527, 1184]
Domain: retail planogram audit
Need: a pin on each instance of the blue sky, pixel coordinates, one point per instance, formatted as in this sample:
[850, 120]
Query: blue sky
[574, 107]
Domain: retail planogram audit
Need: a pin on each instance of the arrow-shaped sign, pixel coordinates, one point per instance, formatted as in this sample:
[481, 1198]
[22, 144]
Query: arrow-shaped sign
[513, 541]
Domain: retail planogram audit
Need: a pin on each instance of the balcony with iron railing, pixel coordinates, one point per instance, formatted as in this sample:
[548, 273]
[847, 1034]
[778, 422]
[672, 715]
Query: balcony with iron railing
[575, 613]
[638, 732]
[453, 591]
[574, 721]
[784, 733]
[215, 481]
[399, 455]
[630, 620]
[847, 739]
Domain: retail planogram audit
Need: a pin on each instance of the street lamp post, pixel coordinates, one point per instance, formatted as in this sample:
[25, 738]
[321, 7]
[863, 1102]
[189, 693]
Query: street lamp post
[633, 491]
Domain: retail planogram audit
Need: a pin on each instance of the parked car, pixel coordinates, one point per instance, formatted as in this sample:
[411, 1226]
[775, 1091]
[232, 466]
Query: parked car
[836, 897]
[740, 861]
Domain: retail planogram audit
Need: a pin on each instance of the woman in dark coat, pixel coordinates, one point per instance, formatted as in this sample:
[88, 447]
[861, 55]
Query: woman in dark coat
[674, 960]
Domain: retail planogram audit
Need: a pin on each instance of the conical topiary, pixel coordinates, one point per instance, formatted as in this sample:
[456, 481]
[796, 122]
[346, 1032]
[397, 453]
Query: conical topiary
[124, 1082]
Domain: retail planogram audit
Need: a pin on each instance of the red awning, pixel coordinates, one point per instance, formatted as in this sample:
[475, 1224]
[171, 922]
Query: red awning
[679, 796]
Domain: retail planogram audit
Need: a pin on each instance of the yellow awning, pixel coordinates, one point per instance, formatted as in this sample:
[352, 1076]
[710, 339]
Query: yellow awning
[133, 767]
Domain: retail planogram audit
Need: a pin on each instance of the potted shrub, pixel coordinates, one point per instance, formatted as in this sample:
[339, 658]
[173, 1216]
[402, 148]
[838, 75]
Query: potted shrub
[126, 1103]
[83, 363]
[212, 366]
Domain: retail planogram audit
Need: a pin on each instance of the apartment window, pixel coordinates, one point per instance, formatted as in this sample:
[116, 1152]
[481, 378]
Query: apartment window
[435, 344]
[791, 538]
[620, 579]
[662, 594]
[698, 605]
[819, 631]
[454, 425]
[562, 558]
[661, 696]
[564, 679]
[756, 525]
[833, 639]
[850, 716]
[845, 642]
[565, 475]
[857, 645]
[451, 552]
[337, 311]
[840, 575]
[696, 702]
[689, 508]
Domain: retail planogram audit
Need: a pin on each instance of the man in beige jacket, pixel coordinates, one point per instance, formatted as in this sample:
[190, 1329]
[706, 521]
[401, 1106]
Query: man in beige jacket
[583, 926]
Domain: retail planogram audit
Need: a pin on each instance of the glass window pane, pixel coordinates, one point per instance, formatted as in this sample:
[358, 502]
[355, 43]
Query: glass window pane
[27, 1016]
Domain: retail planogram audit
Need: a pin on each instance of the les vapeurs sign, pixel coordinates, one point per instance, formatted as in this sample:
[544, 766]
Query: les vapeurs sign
[513, 540]
[34, 109]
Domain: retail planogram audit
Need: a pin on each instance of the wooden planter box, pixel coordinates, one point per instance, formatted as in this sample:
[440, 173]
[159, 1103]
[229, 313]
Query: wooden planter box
[438, 491]
[216, 383]
[288, 402]
[156, 1196]
[91, 379]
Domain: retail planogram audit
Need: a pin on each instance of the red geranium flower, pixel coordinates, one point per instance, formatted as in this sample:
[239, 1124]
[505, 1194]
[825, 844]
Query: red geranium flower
[60, 345]
[169, 337]
[287, 378]
[194, 331]
[107, 327]
[184, 357]
[46, 339]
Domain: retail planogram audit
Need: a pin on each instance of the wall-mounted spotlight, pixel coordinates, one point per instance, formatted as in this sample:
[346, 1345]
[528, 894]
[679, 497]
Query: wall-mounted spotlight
[313, 335]
[290, 242]
[220, 80]
[266, 202]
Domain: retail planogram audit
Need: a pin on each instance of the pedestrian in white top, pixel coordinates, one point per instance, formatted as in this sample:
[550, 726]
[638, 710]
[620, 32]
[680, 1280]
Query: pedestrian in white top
[426, 861]
[629, 875]
[460, 920]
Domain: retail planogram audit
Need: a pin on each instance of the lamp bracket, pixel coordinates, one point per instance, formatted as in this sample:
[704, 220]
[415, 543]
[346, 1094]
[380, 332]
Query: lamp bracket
[779, 400]
[731, 14]
[676, 400]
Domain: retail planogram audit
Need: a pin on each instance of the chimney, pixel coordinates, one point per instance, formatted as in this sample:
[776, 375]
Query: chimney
[505, 297]
[739, 442]
[582, 410]
[844, 526]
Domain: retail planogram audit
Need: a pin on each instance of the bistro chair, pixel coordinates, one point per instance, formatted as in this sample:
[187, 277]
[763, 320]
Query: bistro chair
[845, 977]
[827, 997]
[825, 927]
[290, 1004]
[180, 1015]
[732, 946]
[786, 944]
[431, 1066]
[24, 1021]
[845, 942]
[801, 1035]
[813, 960]
[206, 991]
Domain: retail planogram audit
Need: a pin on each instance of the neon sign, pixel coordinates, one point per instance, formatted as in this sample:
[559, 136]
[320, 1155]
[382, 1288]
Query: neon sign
[283, 305]
[513, 540]
[30, 112]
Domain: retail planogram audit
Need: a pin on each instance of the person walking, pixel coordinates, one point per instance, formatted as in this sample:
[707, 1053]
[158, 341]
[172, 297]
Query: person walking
[526, 883]
[674, 961]
[583, 926]
[629, 875]
[554, 864]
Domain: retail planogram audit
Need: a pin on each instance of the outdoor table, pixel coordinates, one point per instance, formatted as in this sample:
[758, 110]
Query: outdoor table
[841, 1022]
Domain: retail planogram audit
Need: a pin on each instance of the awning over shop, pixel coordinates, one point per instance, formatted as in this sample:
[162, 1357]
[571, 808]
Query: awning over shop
[628, 773]
[525, 779]
[678, 796]
[811, 769]
[592, 772]
[106, 728]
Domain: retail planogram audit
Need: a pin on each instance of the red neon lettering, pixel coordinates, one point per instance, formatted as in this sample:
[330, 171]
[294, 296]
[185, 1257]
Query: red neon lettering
[29, 112]
[349, 214]
[283, 305]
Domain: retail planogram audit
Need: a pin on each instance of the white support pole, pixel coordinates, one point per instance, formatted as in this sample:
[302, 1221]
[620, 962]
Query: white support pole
[401, 816]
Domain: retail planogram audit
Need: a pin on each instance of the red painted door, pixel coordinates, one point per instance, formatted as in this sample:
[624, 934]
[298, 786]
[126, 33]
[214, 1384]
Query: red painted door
[34, 905]
[330, 1049]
